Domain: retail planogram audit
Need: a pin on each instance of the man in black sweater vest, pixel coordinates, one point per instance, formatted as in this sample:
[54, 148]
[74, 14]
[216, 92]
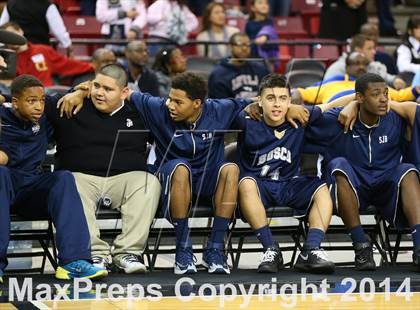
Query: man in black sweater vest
[104, 145]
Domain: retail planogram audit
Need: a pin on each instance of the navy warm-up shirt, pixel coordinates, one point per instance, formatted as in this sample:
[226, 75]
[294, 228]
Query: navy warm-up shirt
[24, 143]
[271, 152]
[199, 143]
[372, 150]
[412, 154]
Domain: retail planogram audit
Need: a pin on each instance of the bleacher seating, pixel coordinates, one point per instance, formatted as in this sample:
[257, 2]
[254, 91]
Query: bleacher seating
[310, 11]
[83, 26]
[68, 7]
[290, 27]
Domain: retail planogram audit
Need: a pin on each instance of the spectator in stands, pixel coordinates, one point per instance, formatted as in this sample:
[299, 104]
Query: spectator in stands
[366, 168]
[268, 180]
[140, 77]
[260, 29]
[168, 63]
[341, 19]
[33, 194]
[121, 19]
[372, 30]
[43, 61]
[386, 20]
[110, 169]
[215, 30]
[408, 53]
[37, 19]
[100, 57]
[170, 21]
[365, 45]
[237, 76]
[338, 86]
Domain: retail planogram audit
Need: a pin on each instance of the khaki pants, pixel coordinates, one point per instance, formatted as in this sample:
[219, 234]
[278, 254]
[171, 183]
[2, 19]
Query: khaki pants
[135, 194]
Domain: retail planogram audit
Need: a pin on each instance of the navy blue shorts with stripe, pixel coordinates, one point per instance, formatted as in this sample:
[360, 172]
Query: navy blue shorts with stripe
[382, 192]
[203, 185]
[296, 193]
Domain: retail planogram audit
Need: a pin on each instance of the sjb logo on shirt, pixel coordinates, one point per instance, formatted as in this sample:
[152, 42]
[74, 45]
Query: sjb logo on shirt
[383, 139]
[129, 123]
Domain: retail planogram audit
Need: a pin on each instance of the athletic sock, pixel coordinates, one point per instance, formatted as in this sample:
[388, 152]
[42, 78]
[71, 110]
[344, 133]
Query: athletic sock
[218, 231]
[357, 234]
[182, 232]
[264, 235]
[314, 238]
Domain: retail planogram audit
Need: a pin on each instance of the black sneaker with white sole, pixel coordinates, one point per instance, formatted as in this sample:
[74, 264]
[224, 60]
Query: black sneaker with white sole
[363, 259]
[271, 261]
[314, 261]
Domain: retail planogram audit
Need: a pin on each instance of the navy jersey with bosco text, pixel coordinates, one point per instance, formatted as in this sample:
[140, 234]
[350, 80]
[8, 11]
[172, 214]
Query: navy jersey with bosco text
[271, 152]
[201, 143]
[412, 154]
[372, 150]
[24, 143]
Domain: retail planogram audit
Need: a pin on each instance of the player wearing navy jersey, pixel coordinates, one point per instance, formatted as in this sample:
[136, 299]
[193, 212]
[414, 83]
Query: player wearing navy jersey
[269, 155]
[367, 168]
[188, 132]
[34, 194]
[411, 112]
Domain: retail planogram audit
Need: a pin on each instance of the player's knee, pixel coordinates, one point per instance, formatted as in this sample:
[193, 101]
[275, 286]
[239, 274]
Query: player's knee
[323, 194]
[338, 162]
[411, 180]
[230, 173]
[246, 186]
[341, 178]
[181, 176]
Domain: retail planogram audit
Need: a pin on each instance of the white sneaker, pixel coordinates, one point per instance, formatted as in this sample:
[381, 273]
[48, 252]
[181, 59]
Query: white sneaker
[100, 262]
[130, 263]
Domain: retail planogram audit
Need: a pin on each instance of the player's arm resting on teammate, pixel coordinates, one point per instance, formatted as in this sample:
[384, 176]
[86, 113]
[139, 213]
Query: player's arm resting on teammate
[71, 103]
[406, 110]
[4, 159]
[339, 102]
[301, 114]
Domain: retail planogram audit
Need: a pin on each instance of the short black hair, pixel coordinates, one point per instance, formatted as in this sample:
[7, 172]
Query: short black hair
[194, 85]
[352, 56]
[273, 80]
[163, 59]
[117, 72]
[362, 83]
[232, 39]
[23, 82]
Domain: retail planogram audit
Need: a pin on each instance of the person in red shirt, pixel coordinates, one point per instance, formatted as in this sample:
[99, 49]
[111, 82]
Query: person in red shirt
[43, 61]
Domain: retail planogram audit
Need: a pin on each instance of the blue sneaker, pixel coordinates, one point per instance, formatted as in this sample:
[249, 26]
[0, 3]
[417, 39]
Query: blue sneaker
[184, 260]
[1, 276]
[215, 260]
[79, 269]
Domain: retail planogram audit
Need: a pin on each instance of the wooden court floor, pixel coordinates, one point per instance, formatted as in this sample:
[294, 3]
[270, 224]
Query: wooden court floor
[335, 301]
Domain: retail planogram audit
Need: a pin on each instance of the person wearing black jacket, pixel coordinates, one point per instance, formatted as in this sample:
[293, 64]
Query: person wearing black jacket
[104, 145]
